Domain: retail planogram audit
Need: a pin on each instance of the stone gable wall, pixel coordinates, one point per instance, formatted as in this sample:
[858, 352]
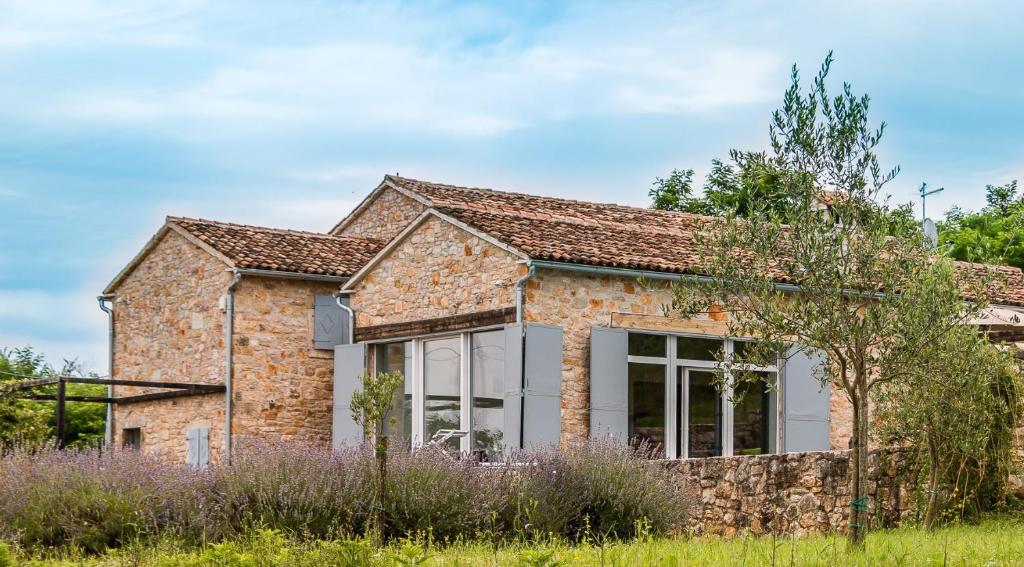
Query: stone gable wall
[386, 216]
[168, 326]
[438, 270]
[793, 493]
[283, 387]
[576, 302]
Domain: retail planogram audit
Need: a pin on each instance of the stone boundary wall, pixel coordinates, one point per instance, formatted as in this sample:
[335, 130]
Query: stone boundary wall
[793, 493]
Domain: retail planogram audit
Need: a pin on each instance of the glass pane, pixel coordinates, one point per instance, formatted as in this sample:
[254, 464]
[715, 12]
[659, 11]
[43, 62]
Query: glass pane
[696, 348]
[647, 405]
[646, 345]
[441, 370]
[488, 371]
[754, 416]
[389, 358]
[705, 405]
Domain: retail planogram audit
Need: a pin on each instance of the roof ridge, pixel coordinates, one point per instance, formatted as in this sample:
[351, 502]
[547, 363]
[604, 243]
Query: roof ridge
[561, 199]
[178, 219]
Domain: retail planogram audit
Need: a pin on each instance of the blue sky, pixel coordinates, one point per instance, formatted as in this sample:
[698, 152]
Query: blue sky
[115, 114]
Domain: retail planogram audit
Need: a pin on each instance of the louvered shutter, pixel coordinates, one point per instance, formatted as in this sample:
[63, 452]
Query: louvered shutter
[805, 403]
[349, 363]
[609, 384]
[330, 322]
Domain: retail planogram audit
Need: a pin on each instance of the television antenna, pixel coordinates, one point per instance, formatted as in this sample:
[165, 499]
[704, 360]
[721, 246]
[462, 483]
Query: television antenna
[925, 193]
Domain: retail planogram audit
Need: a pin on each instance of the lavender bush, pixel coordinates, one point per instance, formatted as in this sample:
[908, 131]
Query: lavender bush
[598, 489]
[94, 500]
[88, 499]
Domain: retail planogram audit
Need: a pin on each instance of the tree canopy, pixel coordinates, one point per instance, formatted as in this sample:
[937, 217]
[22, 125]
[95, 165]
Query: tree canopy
[32, 422]
[991, 235]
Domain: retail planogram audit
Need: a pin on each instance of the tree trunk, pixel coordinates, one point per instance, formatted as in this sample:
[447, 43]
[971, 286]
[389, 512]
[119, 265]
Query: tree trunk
[858, 524]
[381, 454]
[931, 514]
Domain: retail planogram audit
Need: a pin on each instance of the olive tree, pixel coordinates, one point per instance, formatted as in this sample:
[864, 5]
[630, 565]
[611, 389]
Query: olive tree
[371, 407]
[833, 274]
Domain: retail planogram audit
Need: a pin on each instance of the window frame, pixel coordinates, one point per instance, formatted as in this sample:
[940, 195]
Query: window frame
[419, 387]
[677, 411]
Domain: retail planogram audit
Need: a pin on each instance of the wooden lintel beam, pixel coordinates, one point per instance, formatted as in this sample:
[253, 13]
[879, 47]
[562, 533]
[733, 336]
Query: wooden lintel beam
[439, 325]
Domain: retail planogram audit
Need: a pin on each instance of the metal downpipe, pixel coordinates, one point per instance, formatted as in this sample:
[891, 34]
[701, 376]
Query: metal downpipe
[108, 428]
[229, 331]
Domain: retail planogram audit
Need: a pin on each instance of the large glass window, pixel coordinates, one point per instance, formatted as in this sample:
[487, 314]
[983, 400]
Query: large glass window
[704, 431]
[693, 410]
[754, 416]
[442, 360]
[488, 387]
[454, 382]
[647, 405]
[389, 358]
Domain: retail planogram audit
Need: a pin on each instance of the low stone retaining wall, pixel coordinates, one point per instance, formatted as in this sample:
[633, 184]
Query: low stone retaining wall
[793, 493]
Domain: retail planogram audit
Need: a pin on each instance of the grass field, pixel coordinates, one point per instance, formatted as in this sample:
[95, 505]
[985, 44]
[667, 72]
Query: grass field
[995, 542]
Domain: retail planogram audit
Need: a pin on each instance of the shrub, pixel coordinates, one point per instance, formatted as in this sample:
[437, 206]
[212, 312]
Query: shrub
[92, 500]
[597, 489]
[430, 493]
[85, 498]
[287, 486]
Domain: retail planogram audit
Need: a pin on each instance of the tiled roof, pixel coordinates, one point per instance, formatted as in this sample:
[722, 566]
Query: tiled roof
[581, 232]
[261, 248]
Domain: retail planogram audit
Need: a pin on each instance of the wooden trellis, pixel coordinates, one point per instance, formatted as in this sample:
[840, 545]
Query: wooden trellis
[176, 390]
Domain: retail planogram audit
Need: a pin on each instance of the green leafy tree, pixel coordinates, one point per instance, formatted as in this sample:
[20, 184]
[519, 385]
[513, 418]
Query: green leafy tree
[34, 422]
[995, 234]
[849, 268]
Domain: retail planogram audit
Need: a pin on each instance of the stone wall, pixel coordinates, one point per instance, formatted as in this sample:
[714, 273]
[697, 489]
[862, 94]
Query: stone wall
[793, 493]
[576, 302]
[283, 387]
[438, 270]
[169, 327]
[384, 217]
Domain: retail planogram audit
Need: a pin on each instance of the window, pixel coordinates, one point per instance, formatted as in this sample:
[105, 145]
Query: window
[487, 369]
[442, 385]
[391, 357]
[453, 382]
[131, 438]
[678, 405]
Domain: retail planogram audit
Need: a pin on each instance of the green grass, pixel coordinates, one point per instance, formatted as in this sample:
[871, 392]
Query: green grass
[995, 542]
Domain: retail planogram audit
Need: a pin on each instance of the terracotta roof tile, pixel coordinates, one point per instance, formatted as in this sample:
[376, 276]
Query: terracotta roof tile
[261, 248]
[600, 234]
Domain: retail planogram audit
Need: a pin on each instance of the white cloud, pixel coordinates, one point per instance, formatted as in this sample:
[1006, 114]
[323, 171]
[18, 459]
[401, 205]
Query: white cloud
[35, 317]
[422, 76]
[29, 23]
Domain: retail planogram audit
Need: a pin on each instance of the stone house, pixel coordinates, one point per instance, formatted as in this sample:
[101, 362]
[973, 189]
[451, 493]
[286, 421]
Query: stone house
[516, 320]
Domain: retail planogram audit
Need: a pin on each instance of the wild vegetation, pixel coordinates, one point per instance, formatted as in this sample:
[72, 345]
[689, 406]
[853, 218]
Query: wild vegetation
[29, 422]
[994, 542]
[94, 501]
